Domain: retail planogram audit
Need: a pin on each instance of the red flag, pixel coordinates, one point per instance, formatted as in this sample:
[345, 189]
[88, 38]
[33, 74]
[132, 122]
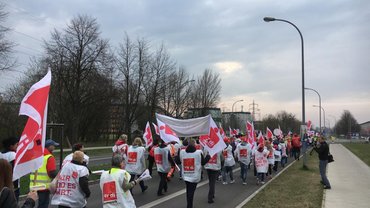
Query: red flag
[213, 142]
[166, 133]
[250, 130]
[148, 135]
[269, 134]
[156, 128]
[30, 151]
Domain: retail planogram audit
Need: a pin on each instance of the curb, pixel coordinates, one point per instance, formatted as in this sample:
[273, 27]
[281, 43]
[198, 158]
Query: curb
[262, 187]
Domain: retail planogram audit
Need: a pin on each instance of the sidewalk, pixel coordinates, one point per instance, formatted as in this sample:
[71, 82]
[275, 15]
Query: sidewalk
[349, 178]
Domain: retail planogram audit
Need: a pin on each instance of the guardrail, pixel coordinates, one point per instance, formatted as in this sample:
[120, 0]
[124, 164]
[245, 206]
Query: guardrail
[86, 148]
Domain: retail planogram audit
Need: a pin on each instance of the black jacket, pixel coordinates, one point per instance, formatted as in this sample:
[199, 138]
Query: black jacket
[7, 199]
[323, 150]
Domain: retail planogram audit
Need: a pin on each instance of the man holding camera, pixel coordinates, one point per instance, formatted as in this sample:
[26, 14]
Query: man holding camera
[323, 150]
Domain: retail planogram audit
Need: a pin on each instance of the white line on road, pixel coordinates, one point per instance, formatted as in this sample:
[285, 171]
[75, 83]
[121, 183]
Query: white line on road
[178, 193]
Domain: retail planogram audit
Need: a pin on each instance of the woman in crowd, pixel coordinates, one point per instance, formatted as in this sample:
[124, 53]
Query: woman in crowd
[72, 188]
[243, 154]
[213, 167]
[270, 158]
[260, 160]
[229, 163]
[7, 196]
[164, 162]
[192, 161]
[115, 185]
[135, 163]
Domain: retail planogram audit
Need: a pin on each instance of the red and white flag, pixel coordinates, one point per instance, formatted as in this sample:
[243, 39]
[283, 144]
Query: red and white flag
[222, 132]
[309, 125]
[261, 140]
[213, 142]
[30, 151]
[269, 134]
[148, 135]
[166, 133]
[250, 130]
[281, 135]
[156, 128]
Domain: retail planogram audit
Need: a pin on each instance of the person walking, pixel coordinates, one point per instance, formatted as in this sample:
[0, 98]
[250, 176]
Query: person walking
[164, 162]
[243, 154]
[229, 162]
[323, 150]
[10, 147]
[7, 196]
[72, 188]
[192, 161]
[261, 163]
[213, 167]
[42, 177]
[115, 185]
[121, 146]
[135, 163]
[296, 144]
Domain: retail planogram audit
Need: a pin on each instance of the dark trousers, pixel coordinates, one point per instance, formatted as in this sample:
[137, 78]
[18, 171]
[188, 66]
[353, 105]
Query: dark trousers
[227, 170]
[269, 172]
[162, 183]
[284, 161]
[322, 167]
[261, 176]
[296, 152]
[43, 199]
[151, 164]
[243, 171]
[276, 165]
[61, 206]
[141, 183]
[212, 177]
[190, 189]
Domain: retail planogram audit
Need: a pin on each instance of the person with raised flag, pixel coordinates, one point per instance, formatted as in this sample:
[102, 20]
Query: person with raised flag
[135, 163]
[41, 178]
[192, 161]
[148, 138]
[229, 162]
[72, 187]
[115, 185]
[243, 154]
[164, 162]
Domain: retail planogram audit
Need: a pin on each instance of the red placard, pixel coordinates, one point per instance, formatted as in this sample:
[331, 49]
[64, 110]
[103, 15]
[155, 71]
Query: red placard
[213, 159]
[109, 192]
[243, 153]
[189, 164]
[132, 157]
[158, 159]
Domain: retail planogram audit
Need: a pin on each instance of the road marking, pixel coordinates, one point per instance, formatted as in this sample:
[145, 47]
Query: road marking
[178, 193]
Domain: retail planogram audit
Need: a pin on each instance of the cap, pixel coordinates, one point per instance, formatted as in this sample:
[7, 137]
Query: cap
[50, 142]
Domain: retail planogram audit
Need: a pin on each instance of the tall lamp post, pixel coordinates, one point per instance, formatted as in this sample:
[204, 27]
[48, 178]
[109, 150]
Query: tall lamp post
[306, 88]
[232, 108]
[270, 19]
[323, 110]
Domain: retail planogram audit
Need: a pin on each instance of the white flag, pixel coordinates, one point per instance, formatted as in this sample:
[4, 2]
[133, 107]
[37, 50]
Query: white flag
[166, 133]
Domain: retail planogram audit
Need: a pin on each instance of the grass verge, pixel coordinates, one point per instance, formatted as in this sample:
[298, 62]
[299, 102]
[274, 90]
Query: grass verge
[362, 151]
[296, 187]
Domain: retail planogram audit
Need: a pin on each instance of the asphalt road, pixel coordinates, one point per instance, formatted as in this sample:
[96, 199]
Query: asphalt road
[229, 195]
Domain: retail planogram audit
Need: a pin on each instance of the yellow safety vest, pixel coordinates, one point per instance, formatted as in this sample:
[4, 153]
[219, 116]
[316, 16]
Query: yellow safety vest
[42, 177]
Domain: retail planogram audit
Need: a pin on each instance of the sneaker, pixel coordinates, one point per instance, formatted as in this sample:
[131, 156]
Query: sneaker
[224, 183]
[210, 201]
[327, 187]
[233, 181]
[262, 182]
[244, 183]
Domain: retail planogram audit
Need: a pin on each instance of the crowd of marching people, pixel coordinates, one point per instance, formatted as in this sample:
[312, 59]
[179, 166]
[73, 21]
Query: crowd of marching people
[69, 187]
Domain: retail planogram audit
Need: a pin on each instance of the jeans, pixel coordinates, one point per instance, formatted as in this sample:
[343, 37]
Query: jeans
[190, 189]
[212, 176]
[284, 160]
[43, 199]
[322, 167]
[243, 171]
[227, 170]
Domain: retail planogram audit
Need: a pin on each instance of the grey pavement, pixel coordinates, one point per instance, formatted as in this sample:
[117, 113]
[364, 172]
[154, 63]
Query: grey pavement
[349, 178]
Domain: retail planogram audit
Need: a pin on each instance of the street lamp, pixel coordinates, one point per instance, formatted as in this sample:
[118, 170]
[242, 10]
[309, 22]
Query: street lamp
[319, 103]
[270, 19]
[232, 108]
[323, 111]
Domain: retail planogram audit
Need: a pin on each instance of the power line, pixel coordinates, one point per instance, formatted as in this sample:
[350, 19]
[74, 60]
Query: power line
[12, 30]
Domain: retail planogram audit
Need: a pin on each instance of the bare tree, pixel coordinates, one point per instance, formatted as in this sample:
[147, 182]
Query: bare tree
[206, 92]
[77, 56]
[133, 67]
[6, 61]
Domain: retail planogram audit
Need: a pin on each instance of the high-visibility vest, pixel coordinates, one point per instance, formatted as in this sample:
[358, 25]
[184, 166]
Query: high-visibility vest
[191, 165]
[135, 162]
[41, 177]
[161, 159]
[214, 163]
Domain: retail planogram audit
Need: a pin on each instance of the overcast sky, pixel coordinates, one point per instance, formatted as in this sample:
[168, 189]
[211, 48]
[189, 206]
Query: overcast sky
[256, 60]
